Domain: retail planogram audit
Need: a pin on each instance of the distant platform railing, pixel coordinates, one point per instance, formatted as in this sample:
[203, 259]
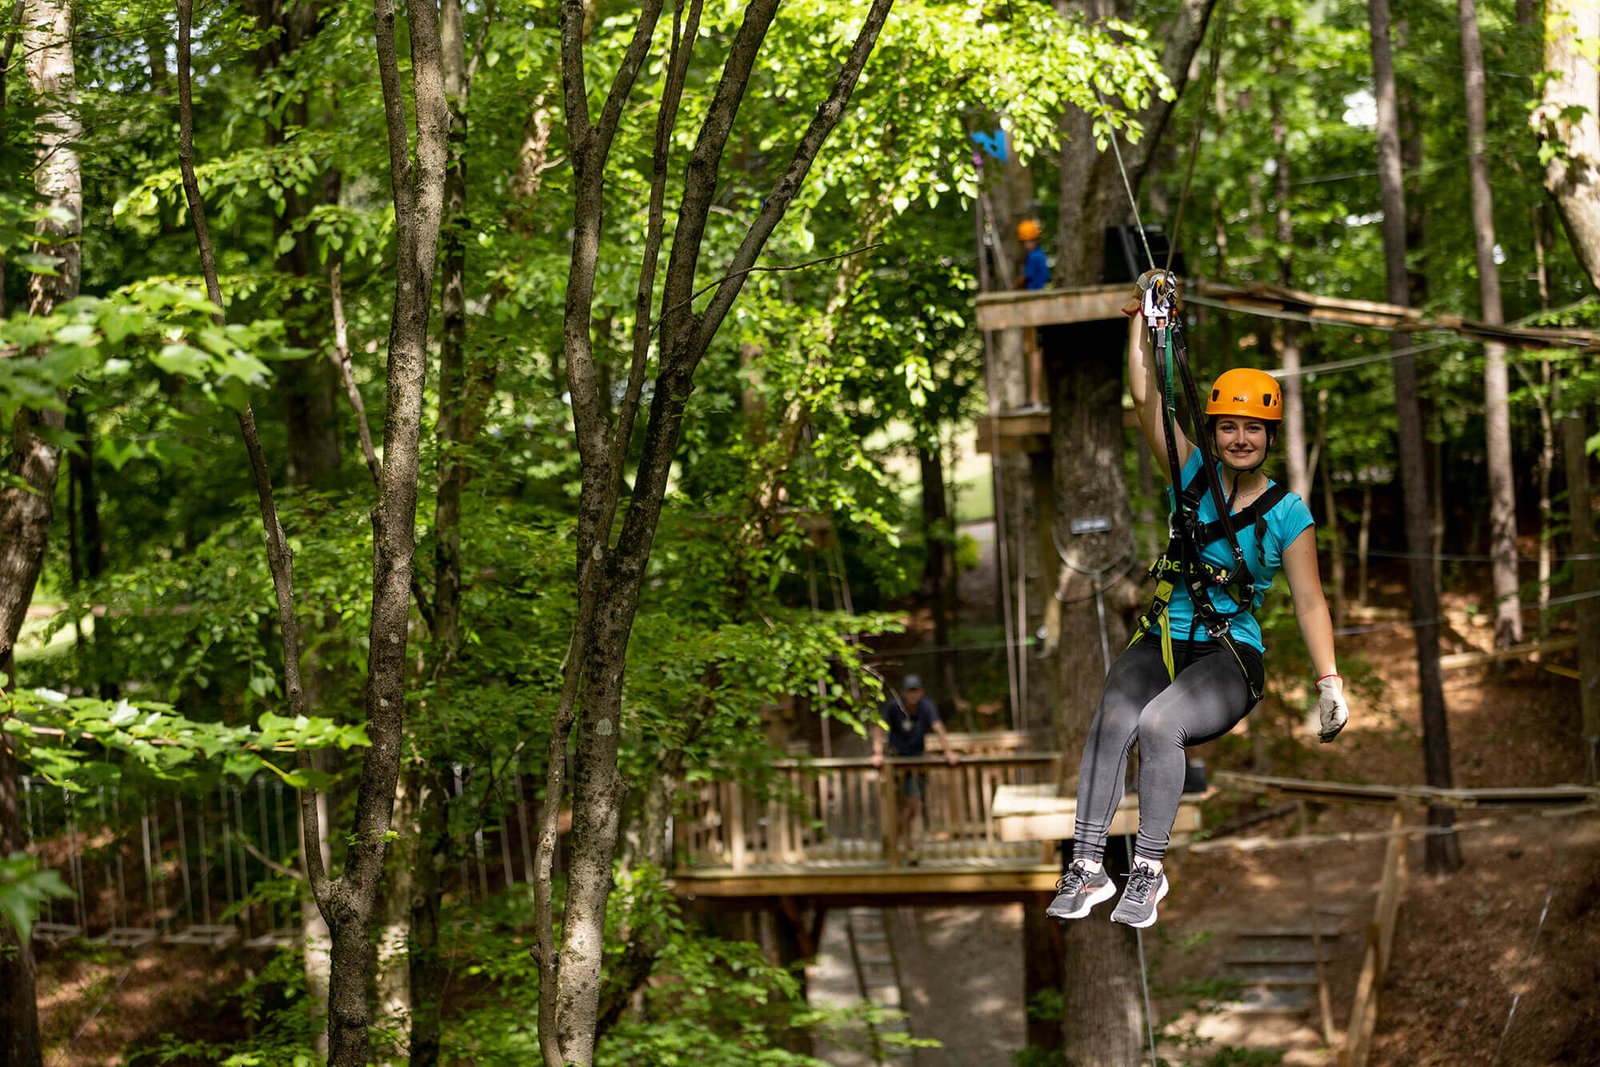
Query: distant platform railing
[843, 813]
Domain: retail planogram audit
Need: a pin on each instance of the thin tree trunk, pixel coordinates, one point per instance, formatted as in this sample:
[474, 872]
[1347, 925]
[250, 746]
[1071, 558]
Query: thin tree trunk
[1330, 519]
[32, 462]
[463, 390]
[19, 1013]
[309, 388]
[610, 578]
[1294, 408]
[938, 571]
[1496, 386]
[1567, 122]
[1443, 849]
[348, 903]
[1547, 461]
[1363, 543]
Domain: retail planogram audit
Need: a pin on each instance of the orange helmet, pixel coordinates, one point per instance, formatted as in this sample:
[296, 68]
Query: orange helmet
[1248, 393]
[1029, 230]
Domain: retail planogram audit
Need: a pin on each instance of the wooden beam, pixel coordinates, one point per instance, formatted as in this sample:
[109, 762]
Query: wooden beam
[1017, 434]
[1476, 659]
[1277, 298]
[1360, 793]
[869, 882]
[1050, 307]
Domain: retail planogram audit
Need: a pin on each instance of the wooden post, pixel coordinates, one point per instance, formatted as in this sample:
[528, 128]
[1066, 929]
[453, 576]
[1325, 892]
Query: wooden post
[1380, 940]
[735, 824]
[889, 812]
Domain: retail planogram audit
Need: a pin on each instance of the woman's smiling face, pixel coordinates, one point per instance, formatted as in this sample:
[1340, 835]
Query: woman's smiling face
[1242, 443]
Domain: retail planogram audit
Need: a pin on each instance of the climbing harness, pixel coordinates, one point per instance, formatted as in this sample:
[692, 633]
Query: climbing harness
[1182, 563]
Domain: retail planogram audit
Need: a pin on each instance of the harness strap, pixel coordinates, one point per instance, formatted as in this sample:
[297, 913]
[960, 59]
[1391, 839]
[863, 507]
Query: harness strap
[1182, 560]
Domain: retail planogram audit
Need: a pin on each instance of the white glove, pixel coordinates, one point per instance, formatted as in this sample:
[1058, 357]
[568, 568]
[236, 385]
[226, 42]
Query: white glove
[1332, 711]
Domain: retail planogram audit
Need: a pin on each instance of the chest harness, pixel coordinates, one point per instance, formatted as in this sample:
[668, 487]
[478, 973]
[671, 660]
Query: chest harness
[1181, 563]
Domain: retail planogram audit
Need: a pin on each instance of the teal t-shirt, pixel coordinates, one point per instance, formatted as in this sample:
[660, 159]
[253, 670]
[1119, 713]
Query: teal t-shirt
[1287, 520]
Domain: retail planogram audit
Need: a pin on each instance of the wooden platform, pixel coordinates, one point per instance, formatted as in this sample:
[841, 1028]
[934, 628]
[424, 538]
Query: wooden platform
[1037, 813]
[1051, 307]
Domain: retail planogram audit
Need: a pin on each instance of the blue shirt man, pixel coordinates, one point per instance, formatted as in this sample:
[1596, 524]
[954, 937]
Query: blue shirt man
[1035, 267]
[907, 716]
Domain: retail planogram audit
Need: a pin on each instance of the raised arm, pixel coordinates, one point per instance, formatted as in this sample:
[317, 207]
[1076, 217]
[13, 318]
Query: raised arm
[1147, 397]
[1316, 628]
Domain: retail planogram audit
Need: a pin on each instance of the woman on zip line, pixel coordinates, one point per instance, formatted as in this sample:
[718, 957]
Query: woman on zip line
[1189, 676]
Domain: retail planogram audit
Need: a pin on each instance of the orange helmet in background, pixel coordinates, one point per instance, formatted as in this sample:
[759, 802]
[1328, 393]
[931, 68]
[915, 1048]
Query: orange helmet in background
[1247, 393]
[1029, 230]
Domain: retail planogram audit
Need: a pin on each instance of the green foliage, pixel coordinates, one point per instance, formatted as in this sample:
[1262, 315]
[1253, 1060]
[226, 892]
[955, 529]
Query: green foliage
[23, 887]
[170, 326]
[67, 740]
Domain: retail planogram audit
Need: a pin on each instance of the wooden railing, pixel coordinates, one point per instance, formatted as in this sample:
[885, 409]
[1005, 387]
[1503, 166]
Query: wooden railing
[842, 812]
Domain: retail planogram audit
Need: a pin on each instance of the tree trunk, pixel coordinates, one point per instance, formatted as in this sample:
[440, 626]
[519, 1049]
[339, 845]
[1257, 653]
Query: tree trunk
[1288, 333]
[1547, 463]
[417, 189]
[1496, 387]
[1443, 850]
[1567, 123]
[392, 954]
[1086, 434]
[1330, 508]
[939, 568]
[1363, 543]
[1585, 583]
[19, 1013]
[31, 462]
[1041, 969]
[309, 387]
[1102, 1010]
[610, 578]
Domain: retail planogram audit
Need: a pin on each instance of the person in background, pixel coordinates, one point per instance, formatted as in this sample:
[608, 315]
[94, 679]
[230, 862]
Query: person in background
[1035, 267]
[1035, 275]
[906, 719]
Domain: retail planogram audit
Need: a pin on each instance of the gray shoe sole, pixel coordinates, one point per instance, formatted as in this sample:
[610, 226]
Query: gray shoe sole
[1149, 920]
[1098, 896]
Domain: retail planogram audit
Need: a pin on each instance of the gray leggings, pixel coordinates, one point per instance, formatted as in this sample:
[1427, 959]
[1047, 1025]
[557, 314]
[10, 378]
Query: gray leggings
[1208, 698]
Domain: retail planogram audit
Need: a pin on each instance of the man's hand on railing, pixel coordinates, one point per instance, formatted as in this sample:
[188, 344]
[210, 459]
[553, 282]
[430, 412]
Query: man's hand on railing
[877, 759]
[952, 757]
